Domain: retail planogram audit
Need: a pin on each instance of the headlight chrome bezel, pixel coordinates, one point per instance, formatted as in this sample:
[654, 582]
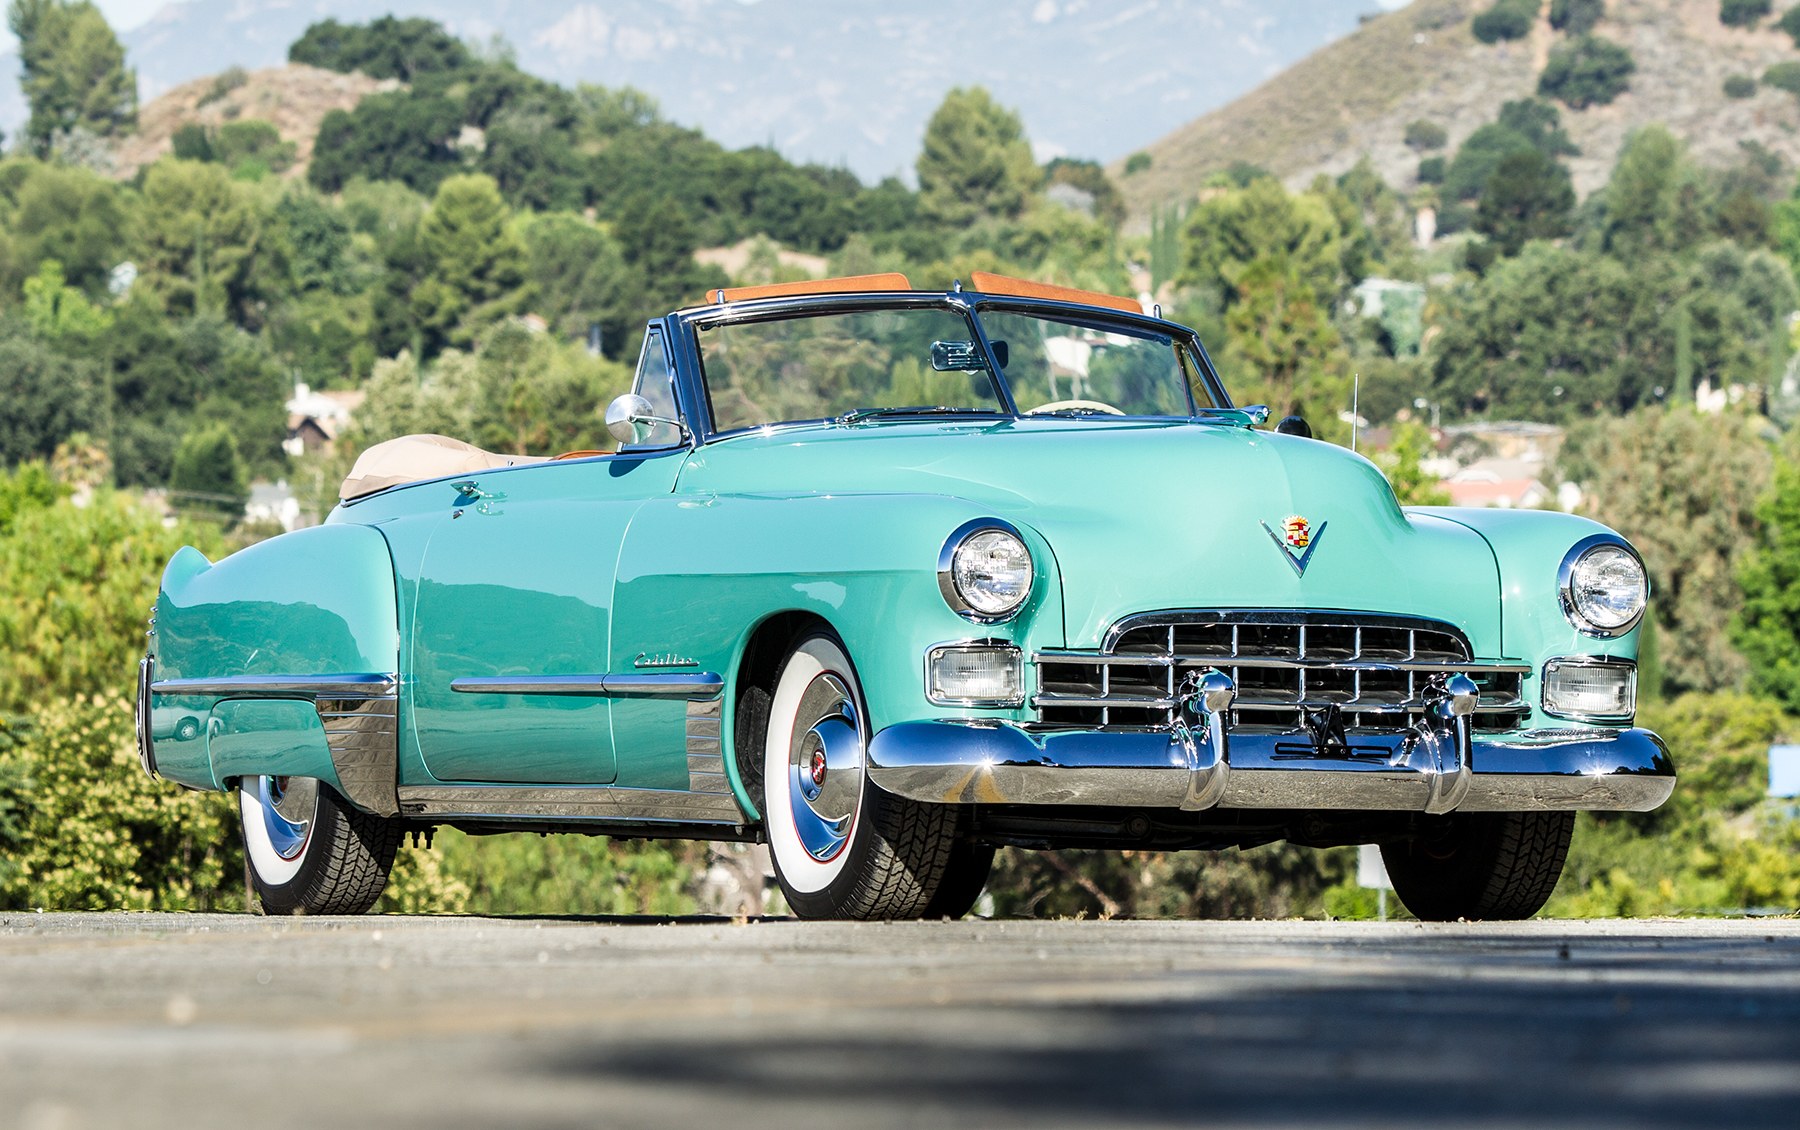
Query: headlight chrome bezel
[1565, 586]
[946, 571]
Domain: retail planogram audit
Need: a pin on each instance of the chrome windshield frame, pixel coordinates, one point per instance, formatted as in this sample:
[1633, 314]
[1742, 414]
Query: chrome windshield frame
[684, 327]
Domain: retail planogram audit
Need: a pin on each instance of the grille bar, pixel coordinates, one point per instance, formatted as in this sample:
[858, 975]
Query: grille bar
[1374, 669]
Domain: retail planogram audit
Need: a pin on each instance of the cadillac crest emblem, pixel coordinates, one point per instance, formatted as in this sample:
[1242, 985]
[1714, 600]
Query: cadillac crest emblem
[1297, 540]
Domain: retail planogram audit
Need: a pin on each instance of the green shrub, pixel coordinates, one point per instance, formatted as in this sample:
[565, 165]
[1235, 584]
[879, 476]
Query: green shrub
[1431, 170]
[1507, 19]
[1590, 71]
[1137, 163]
[1783, 76]
[1740, 86]
[1422, 135]
[1790, 23]
[1576, 17]
[229, 80]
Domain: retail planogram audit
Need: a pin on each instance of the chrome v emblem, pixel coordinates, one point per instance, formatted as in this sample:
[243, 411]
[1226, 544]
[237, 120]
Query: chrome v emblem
[1298, 560]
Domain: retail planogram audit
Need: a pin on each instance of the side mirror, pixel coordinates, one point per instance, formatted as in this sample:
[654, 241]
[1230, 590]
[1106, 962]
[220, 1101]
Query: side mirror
[1294, 426]
[632, 420]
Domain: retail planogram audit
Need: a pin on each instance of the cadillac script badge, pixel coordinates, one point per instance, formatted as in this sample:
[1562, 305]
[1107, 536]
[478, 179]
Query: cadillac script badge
[1297, 540]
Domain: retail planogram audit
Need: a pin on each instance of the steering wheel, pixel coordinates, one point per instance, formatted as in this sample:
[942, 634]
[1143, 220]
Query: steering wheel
[1059, 405]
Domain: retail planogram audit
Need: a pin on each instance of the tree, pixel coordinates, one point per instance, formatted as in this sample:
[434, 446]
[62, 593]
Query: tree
[1591, 71]
[1506, 19]
[1525, 124]
[59, 311]
[45, 397]
[1767, 629]
[1654, 200]
[390, 135]
[83, 221]
[1425, 135]
[1228, 232]
[1402, 463]
[208, 476]
[1790, 23]
[579, 273]
[383, 48]
[202, 232]
[975, 163]
[1686, 487]
[475, 262]
[1578, 17]
[1528, 197]
[72, 70]
[1744, 13]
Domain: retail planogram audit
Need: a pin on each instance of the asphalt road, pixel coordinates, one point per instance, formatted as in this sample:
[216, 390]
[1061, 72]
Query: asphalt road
[213, 1021]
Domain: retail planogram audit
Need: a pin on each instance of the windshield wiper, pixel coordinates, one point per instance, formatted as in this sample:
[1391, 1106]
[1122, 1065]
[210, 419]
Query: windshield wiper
[857, 414]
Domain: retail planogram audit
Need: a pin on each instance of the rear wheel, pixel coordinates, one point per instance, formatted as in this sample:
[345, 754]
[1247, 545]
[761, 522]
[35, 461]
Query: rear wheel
[309, 851]
[842, 848]
[1480, 865]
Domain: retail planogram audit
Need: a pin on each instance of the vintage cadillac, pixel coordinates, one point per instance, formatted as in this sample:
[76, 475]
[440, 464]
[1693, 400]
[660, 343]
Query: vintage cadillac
[889, 578]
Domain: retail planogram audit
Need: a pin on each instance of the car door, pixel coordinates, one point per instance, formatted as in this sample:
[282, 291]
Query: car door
[514, 609]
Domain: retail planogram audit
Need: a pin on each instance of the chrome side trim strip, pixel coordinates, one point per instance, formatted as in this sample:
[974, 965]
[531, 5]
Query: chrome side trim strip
[688, 685]
[146, 745]
[570, 802]
[281, 686]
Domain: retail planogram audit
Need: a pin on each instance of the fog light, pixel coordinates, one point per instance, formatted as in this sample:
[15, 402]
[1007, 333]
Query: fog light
[1591, 690]
[974, 674]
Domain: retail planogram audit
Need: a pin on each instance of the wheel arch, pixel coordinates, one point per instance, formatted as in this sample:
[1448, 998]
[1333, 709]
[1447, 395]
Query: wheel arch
[753, 687]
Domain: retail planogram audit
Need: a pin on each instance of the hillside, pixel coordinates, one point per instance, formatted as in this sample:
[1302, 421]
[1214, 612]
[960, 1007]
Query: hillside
[821, 80]
[1356, 96]
[292, 98]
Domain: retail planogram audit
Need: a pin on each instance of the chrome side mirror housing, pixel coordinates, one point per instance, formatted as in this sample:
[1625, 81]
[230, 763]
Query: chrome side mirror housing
[632, 420]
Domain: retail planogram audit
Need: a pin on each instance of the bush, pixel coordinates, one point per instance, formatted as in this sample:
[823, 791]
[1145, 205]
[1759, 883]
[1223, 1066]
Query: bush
[1431, 170]
[1576, 17]
[1783, 76]
[1138, 162]
[1740, 86]
[1790, 23]
[229, 80]
[1507, 19]
[1743, 13]
[1423, 135]
[1591, 71]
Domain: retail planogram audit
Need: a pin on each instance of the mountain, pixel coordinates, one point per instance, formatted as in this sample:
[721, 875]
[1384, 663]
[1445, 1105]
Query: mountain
[1355, 97]
[822, 80]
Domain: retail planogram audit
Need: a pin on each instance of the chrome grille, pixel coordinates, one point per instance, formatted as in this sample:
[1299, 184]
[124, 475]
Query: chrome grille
[1376, 670]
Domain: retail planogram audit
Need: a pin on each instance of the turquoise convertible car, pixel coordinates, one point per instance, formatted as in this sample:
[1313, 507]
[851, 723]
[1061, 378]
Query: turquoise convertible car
[890, 578]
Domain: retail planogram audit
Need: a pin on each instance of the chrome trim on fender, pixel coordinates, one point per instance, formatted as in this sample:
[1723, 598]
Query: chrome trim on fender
[1565, 595]
[140, 712]
[694, 685]
[948, 762]
[280, 686]
[358, 710]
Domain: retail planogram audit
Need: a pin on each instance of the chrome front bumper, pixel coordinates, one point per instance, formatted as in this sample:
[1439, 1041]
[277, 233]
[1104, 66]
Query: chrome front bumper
[1436, 771]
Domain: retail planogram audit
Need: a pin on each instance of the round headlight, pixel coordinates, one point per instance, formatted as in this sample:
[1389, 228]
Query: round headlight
[1604, 589]
[985, 570]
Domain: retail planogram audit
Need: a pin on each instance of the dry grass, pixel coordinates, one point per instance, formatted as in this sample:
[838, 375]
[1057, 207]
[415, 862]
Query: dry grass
[1356, 96]
[293, 98]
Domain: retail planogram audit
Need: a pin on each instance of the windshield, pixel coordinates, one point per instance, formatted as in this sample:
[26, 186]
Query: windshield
[1058, 367]
[826, 366]
[919, 360]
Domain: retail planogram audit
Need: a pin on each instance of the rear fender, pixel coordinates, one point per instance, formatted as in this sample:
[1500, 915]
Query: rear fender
[287, 654]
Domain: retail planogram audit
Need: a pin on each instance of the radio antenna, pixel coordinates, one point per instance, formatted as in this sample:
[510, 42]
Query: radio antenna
[1355, 411]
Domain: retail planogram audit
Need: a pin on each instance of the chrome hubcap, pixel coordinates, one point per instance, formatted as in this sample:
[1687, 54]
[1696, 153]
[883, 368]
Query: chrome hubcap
[289, 805]
[825, 766]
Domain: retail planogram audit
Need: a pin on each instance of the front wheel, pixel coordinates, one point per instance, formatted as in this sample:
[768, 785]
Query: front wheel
[309, 851]
[842, 848]
[1480, 865]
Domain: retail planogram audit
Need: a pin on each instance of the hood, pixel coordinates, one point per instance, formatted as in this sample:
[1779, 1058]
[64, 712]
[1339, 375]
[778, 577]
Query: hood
[1149, 515]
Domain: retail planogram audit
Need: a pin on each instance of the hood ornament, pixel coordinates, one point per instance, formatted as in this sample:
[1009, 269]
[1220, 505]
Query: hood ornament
[1297, 541]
